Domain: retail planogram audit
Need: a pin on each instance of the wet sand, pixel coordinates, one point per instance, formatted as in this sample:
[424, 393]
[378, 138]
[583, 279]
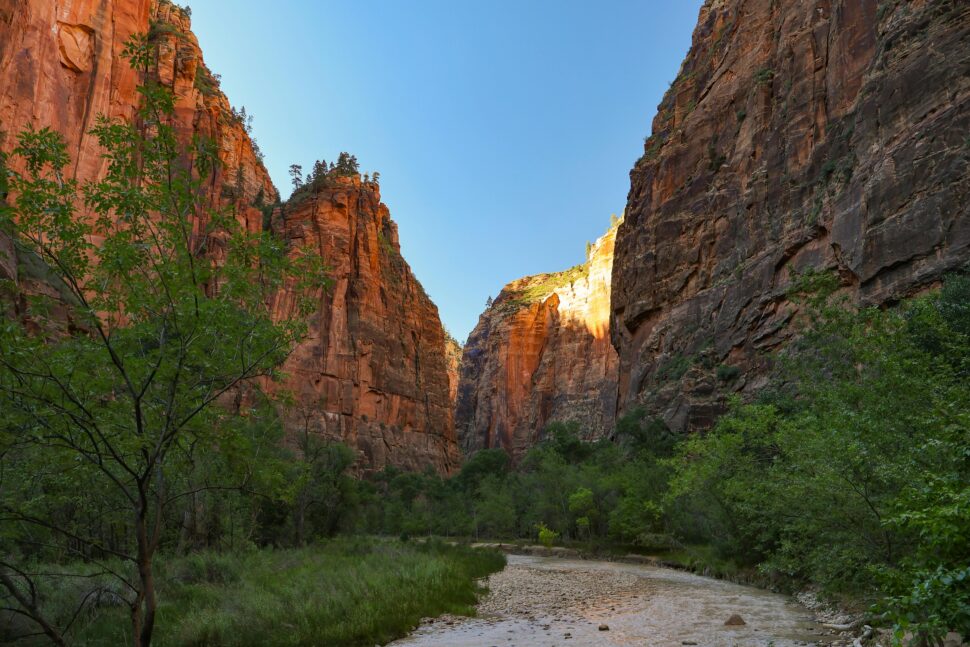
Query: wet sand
[545, 601]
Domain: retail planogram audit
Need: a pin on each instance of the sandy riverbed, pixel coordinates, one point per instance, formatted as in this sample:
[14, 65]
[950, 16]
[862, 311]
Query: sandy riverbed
[541, 601]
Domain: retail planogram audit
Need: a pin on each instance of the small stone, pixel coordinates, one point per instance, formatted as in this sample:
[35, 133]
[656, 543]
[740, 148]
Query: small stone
[735, 621]
[604, 627]
[688, 642]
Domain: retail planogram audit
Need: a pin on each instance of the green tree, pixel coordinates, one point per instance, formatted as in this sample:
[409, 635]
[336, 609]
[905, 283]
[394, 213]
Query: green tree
[347, 165]
[861, 483]
[583, 508]
[494, 508]
[296, 176]
[168, 317]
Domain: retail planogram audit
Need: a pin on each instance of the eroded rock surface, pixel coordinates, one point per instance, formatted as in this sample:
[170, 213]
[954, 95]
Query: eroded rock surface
[541, 353]
[827, 134]
[373, 372]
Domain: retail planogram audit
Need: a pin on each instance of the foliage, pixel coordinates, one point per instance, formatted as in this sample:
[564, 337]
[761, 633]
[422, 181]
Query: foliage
[322, 174]
[105, 432]
[862, 483]
[351, 591]
[727, 373]
[547, 536]
[850, 473]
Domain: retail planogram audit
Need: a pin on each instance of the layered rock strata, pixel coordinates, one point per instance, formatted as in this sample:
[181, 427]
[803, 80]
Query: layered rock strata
[373, 371]
[810, 134]
[541, 353]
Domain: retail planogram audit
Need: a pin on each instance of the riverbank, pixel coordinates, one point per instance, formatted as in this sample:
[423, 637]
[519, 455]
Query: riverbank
[352, 591]
[846, 620]
[692, 559]
[546, 601]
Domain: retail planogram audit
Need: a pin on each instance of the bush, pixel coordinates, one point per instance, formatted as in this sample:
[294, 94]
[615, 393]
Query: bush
[727, 373]
[547, 536]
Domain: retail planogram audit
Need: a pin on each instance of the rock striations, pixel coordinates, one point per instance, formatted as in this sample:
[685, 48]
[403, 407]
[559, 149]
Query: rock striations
[61, 66]
[827, 134]
[541, 353]
[374, 371]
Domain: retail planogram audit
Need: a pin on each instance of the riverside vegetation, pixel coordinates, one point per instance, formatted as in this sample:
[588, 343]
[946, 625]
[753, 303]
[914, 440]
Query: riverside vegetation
[140, 466]
[850, 474]
[140, 504]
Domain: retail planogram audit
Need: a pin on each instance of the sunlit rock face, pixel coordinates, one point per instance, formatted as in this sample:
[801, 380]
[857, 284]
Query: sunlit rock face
[453, 352]
[61, 66]
[826, 134]
[373, 372]
[541, 353]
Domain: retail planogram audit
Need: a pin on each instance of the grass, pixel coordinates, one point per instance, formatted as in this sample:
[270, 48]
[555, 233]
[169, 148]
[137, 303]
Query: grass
[350, 591]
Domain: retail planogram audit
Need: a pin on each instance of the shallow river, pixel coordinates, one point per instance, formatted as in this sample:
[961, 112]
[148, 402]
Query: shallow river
[551, 601]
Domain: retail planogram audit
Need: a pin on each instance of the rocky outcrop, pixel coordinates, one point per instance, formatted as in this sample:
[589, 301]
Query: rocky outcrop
[541, 353]
[373, 370]
[61, 66]
[453, 352]
[827, 134]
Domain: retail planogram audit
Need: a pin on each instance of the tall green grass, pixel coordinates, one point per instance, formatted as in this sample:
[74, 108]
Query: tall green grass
[343, 592]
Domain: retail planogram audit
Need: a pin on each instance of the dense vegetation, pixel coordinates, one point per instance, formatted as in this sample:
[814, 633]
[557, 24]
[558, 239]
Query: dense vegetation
[852, 474]
[133, 433]
[146, 493]
[342, 592]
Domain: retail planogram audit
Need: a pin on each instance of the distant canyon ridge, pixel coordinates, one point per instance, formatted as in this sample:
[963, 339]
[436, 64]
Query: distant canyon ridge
[810, 134]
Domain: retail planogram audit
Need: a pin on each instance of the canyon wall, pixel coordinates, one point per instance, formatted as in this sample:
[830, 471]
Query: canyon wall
[373, 371]
[825, 134]
[541, 353]
[61, 66]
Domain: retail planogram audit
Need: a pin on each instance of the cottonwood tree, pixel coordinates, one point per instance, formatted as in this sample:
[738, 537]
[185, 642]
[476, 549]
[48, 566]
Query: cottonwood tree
[168, 317]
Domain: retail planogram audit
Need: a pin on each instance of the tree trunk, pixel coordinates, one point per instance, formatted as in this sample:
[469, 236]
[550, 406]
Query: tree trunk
[300, 521]
[143, 609]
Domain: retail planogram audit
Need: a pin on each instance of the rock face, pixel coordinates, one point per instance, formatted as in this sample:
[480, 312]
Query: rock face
[61, 66]
[541, 353]
[373, 371]
[453, 352]
[827, 134]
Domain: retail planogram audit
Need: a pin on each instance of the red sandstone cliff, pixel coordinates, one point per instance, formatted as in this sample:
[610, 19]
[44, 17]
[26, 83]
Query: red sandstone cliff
[801, 134]
[453, 351]
[61, 66]
[373, 372]
[541, 353]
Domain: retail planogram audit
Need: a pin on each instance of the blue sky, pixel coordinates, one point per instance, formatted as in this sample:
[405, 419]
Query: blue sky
[504, 131]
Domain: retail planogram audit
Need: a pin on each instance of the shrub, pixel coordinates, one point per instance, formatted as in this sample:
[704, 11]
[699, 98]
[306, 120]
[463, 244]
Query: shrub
[547, 536]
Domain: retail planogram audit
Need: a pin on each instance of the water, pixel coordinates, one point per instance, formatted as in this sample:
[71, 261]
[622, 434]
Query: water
[539, 601]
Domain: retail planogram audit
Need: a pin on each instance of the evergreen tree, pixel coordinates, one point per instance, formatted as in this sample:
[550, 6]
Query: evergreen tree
[319, 172]
[347, 164]
[296, 176]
